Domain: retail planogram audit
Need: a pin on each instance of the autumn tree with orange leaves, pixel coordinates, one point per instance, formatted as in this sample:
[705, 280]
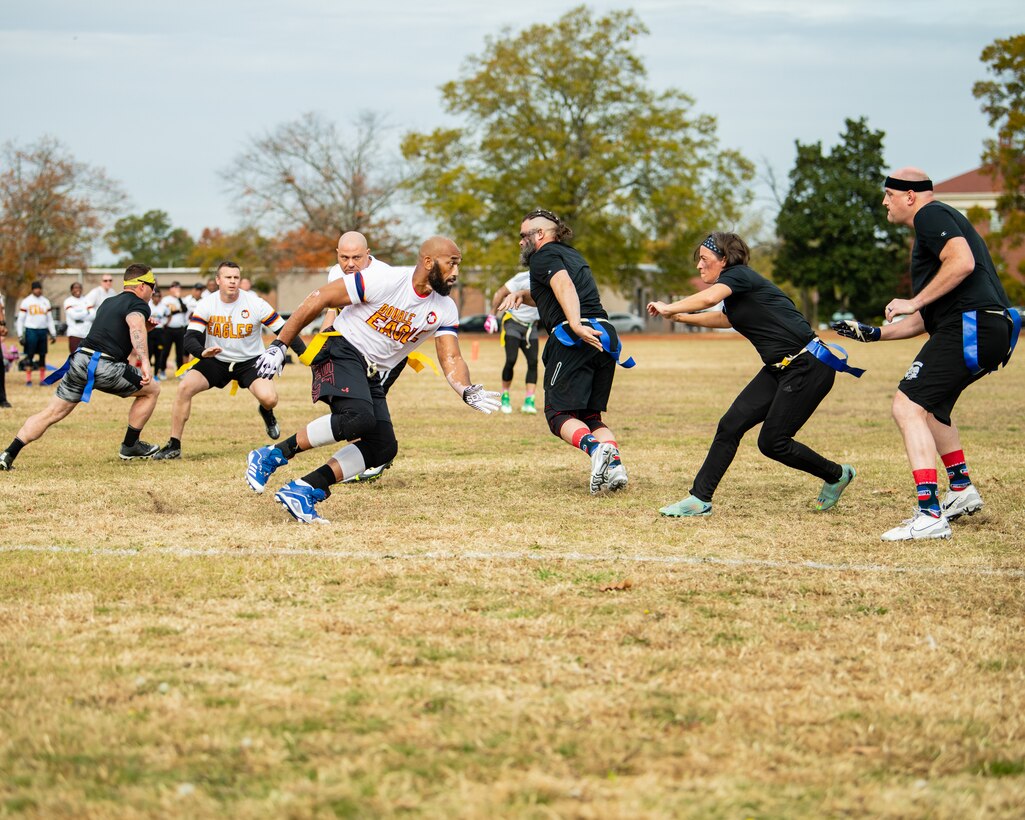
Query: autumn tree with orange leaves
[53, 209]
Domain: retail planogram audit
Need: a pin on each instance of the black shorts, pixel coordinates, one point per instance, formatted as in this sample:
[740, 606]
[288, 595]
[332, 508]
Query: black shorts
[578, 378]
[36, 343]
[939, 374]
[340, 371]
[220, 374]
[514, 329]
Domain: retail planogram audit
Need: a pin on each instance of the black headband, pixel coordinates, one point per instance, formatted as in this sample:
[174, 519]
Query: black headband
[542, 213]
[908, 185]
[710, 244]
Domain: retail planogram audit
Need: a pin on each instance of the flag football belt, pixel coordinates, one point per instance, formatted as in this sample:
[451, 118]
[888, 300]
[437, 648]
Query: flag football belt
[417, 360]
[562, 334]
[90, 374]
[970, 337]
[508, 317]
[821, 351]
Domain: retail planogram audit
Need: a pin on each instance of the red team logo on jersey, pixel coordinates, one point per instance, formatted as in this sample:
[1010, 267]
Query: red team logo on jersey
[431, 318]
[245, 313]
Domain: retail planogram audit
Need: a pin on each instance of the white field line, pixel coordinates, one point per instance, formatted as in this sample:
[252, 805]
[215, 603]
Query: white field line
[476, 555]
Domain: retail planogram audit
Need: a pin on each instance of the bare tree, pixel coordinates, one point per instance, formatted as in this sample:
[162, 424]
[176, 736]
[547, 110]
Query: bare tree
[304, 175]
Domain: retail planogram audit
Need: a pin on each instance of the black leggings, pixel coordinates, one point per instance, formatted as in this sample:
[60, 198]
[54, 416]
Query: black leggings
[783, 400]
[515, 343]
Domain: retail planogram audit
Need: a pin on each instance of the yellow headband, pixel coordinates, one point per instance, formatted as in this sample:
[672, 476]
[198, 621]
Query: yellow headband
[146, 279]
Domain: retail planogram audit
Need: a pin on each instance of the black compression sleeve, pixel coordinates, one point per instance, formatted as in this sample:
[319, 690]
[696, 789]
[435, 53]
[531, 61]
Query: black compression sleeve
[194, 341]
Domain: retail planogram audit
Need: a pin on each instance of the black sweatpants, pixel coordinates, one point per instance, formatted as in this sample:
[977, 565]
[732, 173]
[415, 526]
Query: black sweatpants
[782, 400]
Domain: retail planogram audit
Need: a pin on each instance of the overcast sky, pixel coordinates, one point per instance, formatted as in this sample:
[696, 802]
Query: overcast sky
[164, 95]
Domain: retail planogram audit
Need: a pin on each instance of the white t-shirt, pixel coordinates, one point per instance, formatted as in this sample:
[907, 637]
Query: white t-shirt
[527, 314]
[97, 296]
[374, 266]
[387, 319]
[177, 317]
[79, 314]
[190, 303]
[34, 314]
[235, 326]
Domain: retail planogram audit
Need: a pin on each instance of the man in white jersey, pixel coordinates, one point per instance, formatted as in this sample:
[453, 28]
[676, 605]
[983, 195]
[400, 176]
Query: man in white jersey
[385, 317]
[519, 332]
[354, 257]
[102, 292]
[35, 327]
[225, 337]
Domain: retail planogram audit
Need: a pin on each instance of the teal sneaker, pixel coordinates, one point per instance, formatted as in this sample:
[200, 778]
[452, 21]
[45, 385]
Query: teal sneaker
[830, 493]
[689, 507]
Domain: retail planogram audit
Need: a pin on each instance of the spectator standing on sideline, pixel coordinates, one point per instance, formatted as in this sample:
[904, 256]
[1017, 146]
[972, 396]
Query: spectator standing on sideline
[79, 314]
[102, 292]
[35, 327]
[177, 321]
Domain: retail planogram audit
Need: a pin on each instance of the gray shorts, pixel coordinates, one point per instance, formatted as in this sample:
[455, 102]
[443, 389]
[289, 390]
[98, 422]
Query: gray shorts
[116, 378]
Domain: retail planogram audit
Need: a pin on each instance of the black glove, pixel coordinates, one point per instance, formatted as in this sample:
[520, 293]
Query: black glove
[857, 331]
[53, 340]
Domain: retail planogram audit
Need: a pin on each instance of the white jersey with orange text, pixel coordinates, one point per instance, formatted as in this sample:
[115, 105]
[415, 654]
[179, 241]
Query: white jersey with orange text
[235, 327]
[388, 319]
[34, 314]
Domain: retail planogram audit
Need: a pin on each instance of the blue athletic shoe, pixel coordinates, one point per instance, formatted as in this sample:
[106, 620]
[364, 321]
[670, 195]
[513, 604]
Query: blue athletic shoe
[298, 498]
[261, 464]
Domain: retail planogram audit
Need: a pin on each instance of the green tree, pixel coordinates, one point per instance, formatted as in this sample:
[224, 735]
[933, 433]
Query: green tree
[559, 116]
[253, 252]
[835, 242]
[1003, 102]
[53, 209]
[151, 239]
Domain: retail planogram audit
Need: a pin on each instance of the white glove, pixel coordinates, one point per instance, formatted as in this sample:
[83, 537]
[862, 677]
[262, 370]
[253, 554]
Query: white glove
[485, 401]
[490, 324]
[271, 361]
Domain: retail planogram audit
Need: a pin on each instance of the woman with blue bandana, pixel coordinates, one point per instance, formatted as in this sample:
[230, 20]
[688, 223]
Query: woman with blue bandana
[797, 375]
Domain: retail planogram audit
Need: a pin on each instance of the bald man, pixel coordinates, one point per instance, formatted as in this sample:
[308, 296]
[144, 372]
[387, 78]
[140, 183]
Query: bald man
[354, 256]
[385, 318]
[958, 300]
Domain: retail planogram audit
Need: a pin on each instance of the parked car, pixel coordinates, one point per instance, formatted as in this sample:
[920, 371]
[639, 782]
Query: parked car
[474, 323]
[627, 322]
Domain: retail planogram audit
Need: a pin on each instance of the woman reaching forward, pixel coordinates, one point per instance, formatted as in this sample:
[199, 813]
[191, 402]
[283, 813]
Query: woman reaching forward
[798, 373]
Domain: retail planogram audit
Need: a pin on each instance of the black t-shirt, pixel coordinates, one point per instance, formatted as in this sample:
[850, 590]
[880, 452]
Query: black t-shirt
[764, 314]
[546, 262]
[935, 225]
[109, 333]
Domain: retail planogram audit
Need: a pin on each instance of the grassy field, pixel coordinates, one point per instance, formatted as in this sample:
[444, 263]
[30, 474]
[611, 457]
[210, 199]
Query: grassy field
[173, 644]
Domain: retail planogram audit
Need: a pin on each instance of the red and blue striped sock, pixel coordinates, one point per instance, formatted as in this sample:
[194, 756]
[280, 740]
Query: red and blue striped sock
[957, 470]
[928, 496]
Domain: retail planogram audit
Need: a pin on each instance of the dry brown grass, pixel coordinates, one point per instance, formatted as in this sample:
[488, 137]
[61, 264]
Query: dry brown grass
[359, 676]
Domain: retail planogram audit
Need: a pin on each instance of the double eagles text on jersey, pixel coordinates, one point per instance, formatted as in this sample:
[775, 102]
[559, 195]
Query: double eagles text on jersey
[223, 328]
[397, 324]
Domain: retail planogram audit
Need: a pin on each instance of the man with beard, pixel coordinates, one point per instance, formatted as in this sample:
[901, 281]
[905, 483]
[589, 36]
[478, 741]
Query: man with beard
[385, 317]
[582, 350]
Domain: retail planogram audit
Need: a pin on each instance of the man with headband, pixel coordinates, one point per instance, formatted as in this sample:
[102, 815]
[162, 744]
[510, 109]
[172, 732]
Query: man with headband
[101, 363]
[959, 301]
[582, 350]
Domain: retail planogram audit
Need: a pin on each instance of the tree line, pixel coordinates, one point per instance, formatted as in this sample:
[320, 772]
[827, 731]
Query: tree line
[559, 116]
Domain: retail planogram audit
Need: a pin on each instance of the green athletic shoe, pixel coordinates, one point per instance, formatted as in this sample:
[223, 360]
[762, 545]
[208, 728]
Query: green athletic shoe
[830, 493]
[528, 406]
[689, 507]
[506, 404]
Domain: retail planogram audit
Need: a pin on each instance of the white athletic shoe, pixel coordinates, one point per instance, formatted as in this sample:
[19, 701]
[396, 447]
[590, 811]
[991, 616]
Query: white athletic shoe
[966, 502]
[922, 525]
[617, 477]
[601, 458]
